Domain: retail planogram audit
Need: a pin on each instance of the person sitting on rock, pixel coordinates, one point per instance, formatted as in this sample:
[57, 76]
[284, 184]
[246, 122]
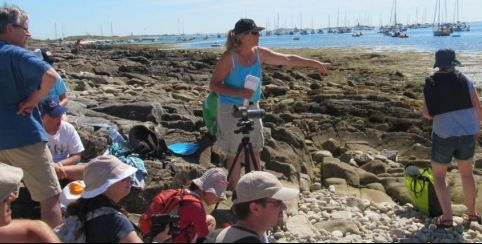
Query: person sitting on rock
[77, 47]
[64, 141]
[453, 104]
[18, 231]
[259, 207]
[59, 92]
[194, 223]
[107, 181]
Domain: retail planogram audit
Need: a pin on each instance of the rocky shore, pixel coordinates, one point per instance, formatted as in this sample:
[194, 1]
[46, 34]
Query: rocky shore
[343, 139]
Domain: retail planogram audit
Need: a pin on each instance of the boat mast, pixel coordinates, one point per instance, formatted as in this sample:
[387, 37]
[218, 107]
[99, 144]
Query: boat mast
[395, 12]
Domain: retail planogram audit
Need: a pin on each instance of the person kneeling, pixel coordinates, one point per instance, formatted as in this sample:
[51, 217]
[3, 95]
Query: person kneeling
[185, 204]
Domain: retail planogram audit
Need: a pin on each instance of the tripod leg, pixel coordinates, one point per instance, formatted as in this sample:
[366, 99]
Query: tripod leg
[256, 163]
[247, 165]
[231, 169]
[233, 164]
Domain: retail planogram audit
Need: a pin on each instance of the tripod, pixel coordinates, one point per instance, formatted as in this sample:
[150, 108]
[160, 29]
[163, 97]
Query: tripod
[245, 127]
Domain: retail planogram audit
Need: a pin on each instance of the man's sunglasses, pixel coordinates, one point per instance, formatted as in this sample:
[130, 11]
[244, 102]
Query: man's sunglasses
[20, 26]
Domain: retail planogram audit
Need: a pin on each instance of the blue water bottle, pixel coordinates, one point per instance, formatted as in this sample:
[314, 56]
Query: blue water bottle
[115, 135]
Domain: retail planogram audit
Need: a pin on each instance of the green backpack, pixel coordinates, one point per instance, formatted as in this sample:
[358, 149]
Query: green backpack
[419, 182]
[210, 112]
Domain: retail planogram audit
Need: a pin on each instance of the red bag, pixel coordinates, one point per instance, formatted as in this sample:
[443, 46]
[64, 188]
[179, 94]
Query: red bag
[166, 202]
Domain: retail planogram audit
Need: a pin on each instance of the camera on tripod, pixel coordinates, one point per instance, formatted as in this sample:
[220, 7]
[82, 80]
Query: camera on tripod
[245, 113]
[159, 222]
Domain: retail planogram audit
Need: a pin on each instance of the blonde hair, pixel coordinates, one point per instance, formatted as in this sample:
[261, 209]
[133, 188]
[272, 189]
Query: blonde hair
[232, 40]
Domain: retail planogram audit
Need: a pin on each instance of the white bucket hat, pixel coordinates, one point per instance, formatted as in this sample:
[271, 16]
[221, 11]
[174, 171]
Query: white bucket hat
[258, 185]
[102, 172]
[214, 180]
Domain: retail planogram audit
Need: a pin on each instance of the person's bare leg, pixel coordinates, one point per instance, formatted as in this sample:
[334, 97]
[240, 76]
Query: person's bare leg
[439, 172]
[50, 211]
[465, 168]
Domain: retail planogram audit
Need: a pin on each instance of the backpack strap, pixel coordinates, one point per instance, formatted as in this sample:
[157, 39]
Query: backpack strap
[233, 234]
[185, 196]
[99, 212]
[423, 179]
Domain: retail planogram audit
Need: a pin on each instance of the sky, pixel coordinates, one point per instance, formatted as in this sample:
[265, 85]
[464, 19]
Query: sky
[50, 19]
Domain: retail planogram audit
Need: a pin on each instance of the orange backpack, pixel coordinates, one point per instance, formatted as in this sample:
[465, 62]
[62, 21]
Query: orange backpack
[166, 202]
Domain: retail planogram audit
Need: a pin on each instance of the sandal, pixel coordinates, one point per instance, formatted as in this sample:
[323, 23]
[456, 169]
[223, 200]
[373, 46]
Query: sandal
[443, 223]
[473, 218]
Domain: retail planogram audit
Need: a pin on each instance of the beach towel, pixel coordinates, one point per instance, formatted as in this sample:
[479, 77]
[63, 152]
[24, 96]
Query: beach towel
[183, 148]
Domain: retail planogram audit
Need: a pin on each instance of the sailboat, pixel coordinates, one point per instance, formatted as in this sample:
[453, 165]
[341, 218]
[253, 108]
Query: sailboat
[460, 26]
[443, 29]
[397, 30]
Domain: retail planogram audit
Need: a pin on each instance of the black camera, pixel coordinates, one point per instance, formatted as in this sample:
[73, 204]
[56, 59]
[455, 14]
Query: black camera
[159, 223]
[245, 113]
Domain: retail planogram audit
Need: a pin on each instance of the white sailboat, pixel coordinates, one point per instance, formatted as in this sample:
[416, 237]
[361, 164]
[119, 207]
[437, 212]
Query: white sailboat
[460, 26]
[441, 29]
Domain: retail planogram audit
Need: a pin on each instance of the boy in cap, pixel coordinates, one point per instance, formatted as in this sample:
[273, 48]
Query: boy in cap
[64, 141]
[25, 80]
[453, 103]
[259, 207]
[18, 230]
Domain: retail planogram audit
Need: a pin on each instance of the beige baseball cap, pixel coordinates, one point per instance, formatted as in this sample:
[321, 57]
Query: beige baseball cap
[258, 185]
[214, 180]
[102, 172]
[10, 178]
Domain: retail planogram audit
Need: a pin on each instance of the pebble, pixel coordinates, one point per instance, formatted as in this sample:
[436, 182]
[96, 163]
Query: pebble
[332, 188]
[376, 222]
[337, 234]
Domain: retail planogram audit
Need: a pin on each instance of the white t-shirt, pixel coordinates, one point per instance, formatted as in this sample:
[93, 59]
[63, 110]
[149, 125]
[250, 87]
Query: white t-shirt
[65, 142]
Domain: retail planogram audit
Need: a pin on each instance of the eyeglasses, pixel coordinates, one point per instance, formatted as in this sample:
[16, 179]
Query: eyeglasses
[21, 26]
[254, 33]
[276, 203]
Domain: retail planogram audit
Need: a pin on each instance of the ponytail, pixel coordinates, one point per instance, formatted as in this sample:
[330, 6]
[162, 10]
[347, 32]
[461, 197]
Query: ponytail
[232, 40]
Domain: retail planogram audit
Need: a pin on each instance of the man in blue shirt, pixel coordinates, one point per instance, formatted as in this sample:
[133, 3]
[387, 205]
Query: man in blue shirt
[24, 80]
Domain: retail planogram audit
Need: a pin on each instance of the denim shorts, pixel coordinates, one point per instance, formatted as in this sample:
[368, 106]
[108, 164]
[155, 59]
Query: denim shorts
[458, 147]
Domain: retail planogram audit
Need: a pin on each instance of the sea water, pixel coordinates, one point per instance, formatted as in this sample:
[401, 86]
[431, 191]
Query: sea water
[419, 40]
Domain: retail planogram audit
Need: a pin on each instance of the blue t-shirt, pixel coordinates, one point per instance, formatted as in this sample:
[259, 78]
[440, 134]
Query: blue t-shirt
[237, 77]
[21, 73]
[109, 228]
[59, 89]
[462, 122]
